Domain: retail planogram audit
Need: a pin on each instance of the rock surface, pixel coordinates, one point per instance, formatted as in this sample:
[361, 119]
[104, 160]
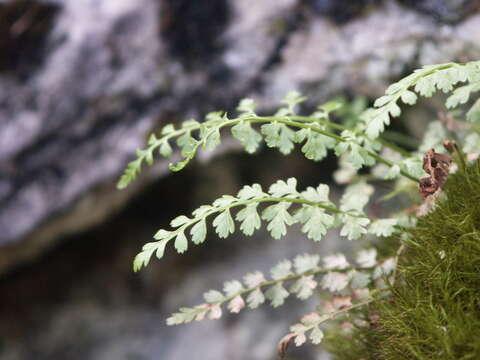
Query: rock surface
[91, 78]
[82, 85]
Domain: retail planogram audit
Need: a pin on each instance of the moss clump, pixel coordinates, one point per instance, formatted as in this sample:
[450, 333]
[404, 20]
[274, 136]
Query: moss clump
[434, 309]
[361, 344]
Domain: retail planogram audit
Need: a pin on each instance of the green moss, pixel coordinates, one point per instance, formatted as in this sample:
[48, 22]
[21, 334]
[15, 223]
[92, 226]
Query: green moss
[434, 309]
[361, 344]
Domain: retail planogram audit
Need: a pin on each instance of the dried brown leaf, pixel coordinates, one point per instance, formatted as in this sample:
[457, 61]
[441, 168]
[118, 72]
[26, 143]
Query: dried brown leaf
[283, 345]
[438, 167]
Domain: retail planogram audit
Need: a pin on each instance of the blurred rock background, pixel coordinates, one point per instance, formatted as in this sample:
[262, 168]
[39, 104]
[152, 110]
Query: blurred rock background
[83, 82]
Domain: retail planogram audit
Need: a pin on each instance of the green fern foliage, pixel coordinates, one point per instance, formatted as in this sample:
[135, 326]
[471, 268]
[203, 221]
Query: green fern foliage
[315, 133]
[419, 303]
[424, 82]
[296, 278]
[311, 208]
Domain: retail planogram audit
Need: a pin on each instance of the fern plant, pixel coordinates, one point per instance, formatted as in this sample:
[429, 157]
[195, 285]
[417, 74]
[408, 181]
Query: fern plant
[358, 143]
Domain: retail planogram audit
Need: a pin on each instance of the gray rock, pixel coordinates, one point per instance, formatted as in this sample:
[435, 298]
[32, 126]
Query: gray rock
[448, 11]
[341, 11]
[107, 72]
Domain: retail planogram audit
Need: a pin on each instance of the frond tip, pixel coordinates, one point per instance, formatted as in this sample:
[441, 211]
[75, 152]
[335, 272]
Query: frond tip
[424, 82]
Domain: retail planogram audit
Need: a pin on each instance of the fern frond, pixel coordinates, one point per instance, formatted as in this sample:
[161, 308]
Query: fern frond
[283, 130]
[317, 132]
[313, 210]
[424, 82]
[300, 273]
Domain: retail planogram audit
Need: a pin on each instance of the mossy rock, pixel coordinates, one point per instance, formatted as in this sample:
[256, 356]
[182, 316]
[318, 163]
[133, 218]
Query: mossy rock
[433, 311]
